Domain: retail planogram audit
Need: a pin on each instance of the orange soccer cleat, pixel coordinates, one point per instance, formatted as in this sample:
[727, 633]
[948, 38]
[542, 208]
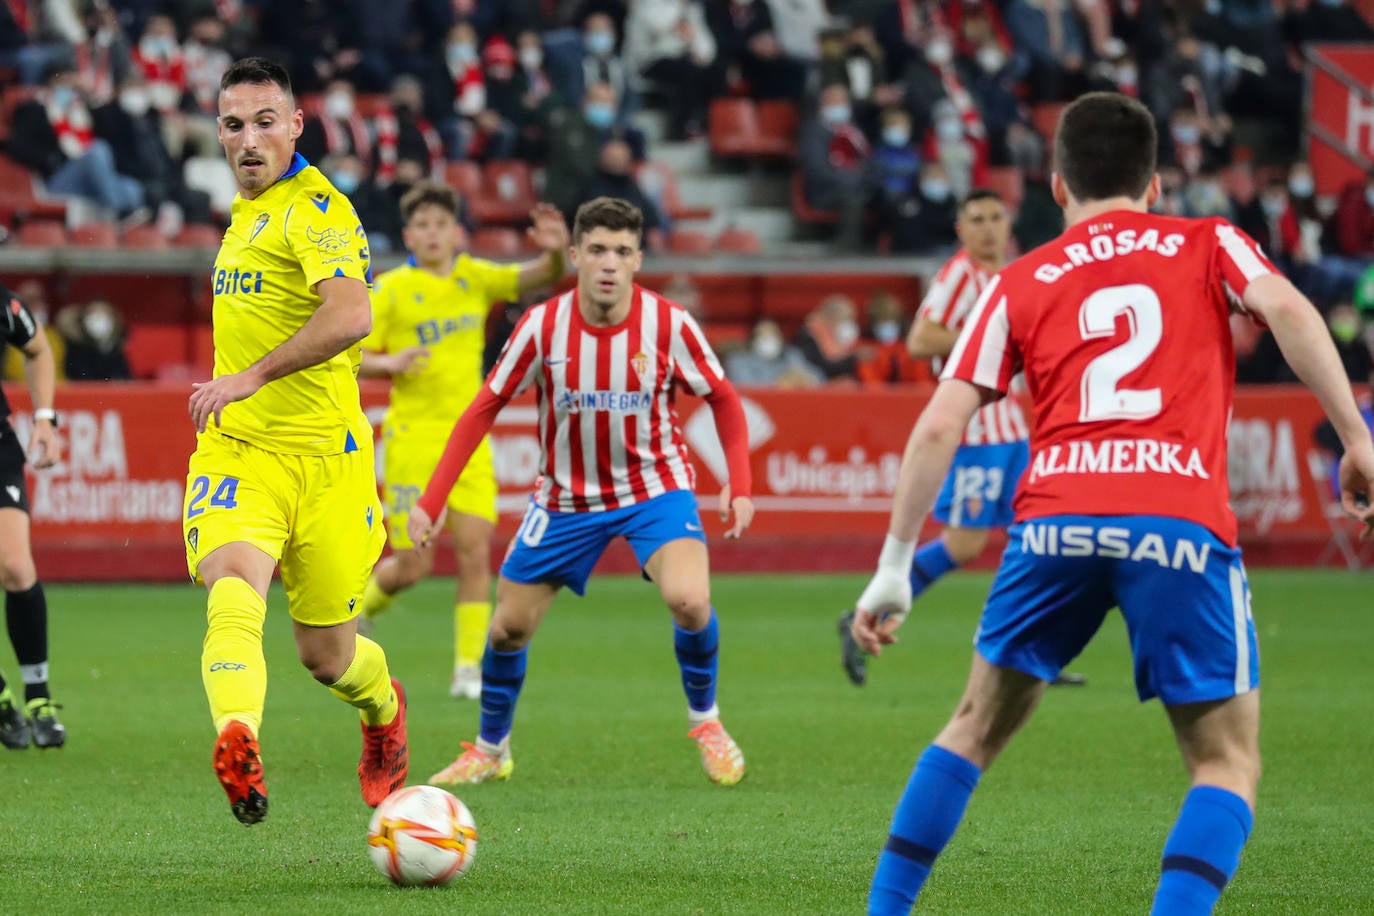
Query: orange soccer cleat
[386, 756]
[238, 764]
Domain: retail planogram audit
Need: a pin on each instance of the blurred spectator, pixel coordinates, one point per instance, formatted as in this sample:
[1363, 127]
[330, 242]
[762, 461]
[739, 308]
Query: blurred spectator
[1324, 20]
[1353, 221]
[596, 60]
[895, 163]
[668, 43]
[21, 46]
[1204, 196]
[527, 99]
[834, 155]
[1191, 145]
[770, 360]
[924, 222]
[1039, 219]
[94, 334]
[1048, 32]
[206, 60]
[35, 296]
[887, 360]
[748, 50]
[100, 49]
[1344, 323]
[575, 137]
[131, 127]
[1364, 301]
[402, 132]
[614, 177]
[159, 58]
[902, 29]
[798, 24]
[377, 210]
[853, 60]
[337, 129]
[956, 140]
[456, 91]
[1172, 181]
[53, 135]
[496, 132]
[829, 338]
[684, 292]
[990, 72]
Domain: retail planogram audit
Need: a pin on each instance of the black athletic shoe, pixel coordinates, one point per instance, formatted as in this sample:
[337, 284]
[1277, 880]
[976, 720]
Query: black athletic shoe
[14, 728]
[47, 730]
[851, 653]
[1069, 679]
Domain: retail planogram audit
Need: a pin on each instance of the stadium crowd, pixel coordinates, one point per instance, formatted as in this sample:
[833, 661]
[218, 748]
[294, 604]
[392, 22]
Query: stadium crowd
[899, 106]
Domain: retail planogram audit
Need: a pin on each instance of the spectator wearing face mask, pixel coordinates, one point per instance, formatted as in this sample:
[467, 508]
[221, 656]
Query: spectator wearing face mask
[94, 334]
[575, 138]
[596, 59]
[337, 128]
[957, 141]
[924, 223]
[527, 99]
[1353, 221]
[769, 360]
[1344, 324]
[834, 156]
[887, 361]
[668, 43]
[749, 50]
[377, 210]
[829, 338]
[896, 165]
[614, 177]
[402, 131]
[1204, 195]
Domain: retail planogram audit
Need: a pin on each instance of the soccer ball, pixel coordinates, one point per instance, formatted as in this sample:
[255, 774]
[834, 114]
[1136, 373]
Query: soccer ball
[421, 835]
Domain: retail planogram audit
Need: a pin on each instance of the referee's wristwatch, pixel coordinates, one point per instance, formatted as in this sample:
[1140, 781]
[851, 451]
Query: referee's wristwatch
[46, 413]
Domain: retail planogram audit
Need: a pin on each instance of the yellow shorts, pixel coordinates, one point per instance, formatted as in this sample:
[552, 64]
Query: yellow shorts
[411, 454]
[316, 515]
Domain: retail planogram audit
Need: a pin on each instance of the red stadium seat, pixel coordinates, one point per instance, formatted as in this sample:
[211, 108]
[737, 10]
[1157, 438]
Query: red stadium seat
[203, 349]
[659, 181]
[506, 194]
[95, 235]
[734, 240]
[802, 210]
[1045, 117]
[370, 103]
[465, 178]
[1008, 182]
[153, 347]
[199, 235]
[726, 335]
[19, 195]
[688, 242]
[145, 237]
[731, 126]
[43, 233]
[778, 122]
[496, 242]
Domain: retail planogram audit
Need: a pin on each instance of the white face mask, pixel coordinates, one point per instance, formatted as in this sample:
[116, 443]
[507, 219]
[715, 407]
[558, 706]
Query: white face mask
[991, 59]
[1301, 186]
[846, 332]
[939, 52]
[338, 105]
[886, 331]
[135, 102]
[949, 128]
[768, 347]
[531, 58]
[99, 326]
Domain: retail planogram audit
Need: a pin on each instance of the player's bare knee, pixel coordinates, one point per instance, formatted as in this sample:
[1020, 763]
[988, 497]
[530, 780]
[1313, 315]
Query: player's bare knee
[691, 608]
[17, 574]
[325, 668]
[473, 557]
[509, 635]
[413, 566]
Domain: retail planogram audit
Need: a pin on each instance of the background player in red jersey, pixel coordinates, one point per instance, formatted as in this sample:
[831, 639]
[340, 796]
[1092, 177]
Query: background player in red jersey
[977, 495]
[1121, 328]
[606, 360]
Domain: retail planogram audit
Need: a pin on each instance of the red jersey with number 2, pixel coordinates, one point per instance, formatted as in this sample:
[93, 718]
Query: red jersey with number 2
[1121, 328]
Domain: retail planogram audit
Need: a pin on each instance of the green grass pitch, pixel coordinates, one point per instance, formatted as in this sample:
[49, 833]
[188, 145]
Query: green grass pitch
[608, 810]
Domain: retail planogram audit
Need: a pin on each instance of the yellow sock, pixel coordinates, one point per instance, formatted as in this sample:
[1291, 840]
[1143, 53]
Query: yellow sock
[231, 662]
[470, 622]
[374, 599]
[367, 684]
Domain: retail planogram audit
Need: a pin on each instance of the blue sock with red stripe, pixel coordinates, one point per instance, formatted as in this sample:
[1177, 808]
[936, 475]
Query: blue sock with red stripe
[697, 659]
[503, 675]
[1202, 852]
[931, 562]
[926, 817]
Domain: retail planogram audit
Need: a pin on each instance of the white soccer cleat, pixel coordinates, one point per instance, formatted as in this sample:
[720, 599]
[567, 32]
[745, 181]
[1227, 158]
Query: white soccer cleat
[467, 682]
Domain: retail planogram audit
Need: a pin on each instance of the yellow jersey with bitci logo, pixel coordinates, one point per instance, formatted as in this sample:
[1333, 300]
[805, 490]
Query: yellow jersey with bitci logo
[279, 245]
[412, 307]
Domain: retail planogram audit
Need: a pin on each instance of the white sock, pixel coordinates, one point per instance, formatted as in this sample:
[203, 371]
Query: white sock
[696, 718]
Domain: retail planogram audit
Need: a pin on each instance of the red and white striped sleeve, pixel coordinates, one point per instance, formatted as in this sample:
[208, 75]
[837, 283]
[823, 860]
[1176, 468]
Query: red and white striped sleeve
[952, 288]
[518, 363]
[985, 353]
[695, 366]
[1240, 261]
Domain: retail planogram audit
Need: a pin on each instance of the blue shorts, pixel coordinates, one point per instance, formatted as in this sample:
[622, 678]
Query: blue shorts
[1181, 590]
[560, 548]
[980, 486]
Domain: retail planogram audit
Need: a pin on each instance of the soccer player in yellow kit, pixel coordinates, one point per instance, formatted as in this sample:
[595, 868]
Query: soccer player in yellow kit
[429, 322]
[283, 470]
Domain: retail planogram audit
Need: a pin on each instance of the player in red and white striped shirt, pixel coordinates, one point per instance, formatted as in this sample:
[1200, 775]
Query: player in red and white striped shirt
[1121, 326]
[606, 360]
[977, 494]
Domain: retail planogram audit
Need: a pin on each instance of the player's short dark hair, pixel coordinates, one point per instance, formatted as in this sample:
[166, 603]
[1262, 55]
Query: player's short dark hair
[613, 213]
[977, 194]
[256, 71]
[1105, 147]
[424, 193]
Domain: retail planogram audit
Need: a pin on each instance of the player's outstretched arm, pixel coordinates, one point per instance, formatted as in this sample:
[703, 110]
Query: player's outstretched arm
[549, 231]
[732, 427]
[40, 374]
[928, 339]
[343, 318]
[929, 452]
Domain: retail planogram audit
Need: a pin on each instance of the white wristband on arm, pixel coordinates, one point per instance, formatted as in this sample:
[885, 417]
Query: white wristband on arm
[897, 555]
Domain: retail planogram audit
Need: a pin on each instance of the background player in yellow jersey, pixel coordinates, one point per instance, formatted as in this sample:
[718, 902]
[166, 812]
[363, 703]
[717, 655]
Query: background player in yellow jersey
[283, 471]
[429, 322]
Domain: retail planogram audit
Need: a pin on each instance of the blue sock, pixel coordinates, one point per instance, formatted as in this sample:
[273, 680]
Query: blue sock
[503, 674]
[1202, 852]
[926, 818]
[931, 562]
[696, 657]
